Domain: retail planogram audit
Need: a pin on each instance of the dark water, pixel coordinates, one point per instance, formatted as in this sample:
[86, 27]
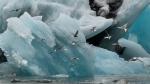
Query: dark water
[96, 80]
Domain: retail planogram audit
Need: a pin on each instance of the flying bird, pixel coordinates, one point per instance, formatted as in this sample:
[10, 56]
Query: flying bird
[75, 59]
[16, 10]
[73, 43]
[51, 52]
[124, 27]
[108, 36]
[135, 59]
[93, 29]
[76, 34]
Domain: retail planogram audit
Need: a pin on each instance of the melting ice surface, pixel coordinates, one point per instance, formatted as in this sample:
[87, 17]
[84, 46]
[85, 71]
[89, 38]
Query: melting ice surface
[39, 40]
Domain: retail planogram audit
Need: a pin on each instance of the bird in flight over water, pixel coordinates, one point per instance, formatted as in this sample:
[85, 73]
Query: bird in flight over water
[76, 34]
[93, 29]
[124, 27]
[15, 10]
[108, 36]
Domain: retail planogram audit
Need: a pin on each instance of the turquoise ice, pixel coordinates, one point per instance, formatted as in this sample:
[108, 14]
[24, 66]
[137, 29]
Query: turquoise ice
[139, 31]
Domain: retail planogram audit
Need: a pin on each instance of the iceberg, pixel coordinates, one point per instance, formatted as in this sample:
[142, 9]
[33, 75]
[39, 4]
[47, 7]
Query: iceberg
[42, 50]
[47, 38]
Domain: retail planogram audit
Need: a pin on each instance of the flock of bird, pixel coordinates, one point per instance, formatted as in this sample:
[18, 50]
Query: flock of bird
[124, 28]
[76, 35]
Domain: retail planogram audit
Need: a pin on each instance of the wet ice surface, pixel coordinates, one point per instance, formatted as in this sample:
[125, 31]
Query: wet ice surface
[111, 79]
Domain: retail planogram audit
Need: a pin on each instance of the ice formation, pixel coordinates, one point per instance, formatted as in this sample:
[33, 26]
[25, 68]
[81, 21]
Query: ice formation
[38, 40]
[131, 49]
[141, 24]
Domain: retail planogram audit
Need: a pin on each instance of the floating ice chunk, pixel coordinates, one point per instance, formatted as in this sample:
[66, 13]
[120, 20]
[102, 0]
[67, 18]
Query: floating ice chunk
[132, 49]
[60, 76]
